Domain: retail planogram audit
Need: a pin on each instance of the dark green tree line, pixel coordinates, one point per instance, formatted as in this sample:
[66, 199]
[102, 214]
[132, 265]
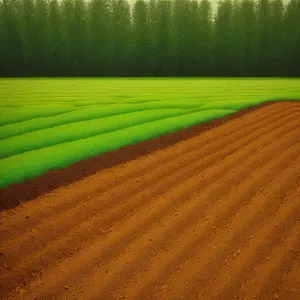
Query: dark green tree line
[149, 38]
[56, 59]
[99, 39]
[11, 48]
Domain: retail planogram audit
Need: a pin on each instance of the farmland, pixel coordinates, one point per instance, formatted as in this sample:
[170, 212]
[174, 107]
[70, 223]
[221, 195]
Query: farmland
[50, 124]
[198, 196]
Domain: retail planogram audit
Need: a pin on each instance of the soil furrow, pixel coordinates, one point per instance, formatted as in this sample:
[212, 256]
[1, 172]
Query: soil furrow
[284, 279]
[270, 274]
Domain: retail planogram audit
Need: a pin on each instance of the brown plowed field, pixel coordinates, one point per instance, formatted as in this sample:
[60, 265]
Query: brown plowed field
[216, 216]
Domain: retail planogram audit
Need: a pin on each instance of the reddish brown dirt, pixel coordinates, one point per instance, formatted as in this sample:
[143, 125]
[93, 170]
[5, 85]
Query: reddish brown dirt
[216, 216]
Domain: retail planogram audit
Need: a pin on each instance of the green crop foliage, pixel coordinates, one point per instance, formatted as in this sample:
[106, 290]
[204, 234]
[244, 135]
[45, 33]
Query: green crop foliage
[48, 124]
[79, 130]
[88, 113]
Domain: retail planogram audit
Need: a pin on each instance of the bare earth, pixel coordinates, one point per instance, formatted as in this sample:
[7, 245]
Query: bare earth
[216, 216]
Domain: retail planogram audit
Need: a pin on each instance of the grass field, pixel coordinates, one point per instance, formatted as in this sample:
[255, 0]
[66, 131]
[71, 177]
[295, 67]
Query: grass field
[48, 124]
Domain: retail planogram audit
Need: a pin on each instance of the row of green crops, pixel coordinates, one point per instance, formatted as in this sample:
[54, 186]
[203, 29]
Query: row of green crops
[80, 130]
[34, 119]
[49, 124]
[86, 113]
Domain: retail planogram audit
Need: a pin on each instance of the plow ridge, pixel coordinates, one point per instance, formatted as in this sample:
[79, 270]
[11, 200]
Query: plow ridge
[215, 216]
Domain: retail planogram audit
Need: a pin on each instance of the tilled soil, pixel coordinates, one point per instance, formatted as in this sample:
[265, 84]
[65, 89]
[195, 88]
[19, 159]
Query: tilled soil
[216, 216]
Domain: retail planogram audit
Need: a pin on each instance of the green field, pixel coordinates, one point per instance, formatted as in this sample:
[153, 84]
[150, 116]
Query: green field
[47, 124]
